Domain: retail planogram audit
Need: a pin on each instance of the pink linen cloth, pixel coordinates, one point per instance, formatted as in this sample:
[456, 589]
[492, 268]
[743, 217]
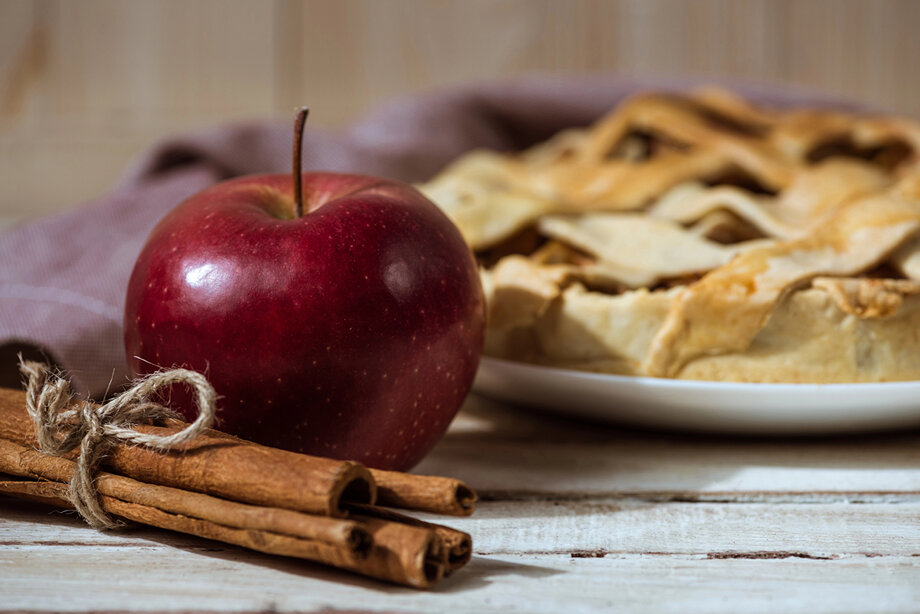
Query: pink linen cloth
[63, 278]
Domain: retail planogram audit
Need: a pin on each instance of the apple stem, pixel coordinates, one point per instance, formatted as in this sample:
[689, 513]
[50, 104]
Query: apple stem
[299, 120]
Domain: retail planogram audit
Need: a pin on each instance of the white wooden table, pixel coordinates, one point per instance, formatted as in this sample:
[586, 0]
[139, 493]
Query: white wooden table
[574, 518]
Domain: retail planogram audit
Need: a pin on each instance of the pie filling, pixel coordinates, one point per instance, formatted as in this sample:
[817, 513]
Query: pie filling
[700, 237]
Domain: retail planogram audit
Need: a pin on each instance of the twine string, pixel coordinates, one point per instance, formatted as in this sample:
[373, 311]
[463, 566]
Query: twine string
[61, 425]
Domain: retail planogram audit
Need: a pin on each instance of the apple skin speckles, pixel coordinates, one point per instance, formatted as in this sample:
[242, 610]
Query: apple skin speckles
[359, 318]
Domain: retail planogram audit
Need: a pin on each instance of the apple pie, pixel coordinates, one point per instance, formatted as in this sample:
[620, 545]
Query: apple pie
[697, 236]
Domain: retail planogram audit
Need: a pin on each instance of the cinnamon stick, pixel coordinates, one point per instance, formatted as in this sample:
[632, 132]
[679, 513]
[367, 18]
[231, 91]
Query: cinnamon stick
[457, 544]
[225, 467]
[402, 553]
[424, 493]
[25, 462]
[269, 542]
[421, 493]
[381, 544]
[397, 553]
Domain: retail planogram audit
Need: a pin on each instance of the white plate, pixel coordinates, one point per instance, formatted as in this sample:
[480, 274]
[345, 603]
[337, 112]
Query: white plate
[704, 406]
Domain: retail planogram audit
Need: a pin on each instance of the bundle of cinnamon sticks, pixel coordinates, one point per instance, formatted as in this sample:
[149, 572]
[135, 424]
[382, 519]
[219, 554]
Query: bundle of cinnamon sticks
[223, 488]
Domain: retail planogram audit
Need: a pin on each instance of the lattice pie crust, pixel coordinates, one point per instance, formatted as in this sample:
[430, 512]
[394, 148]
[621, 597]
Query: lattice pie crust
[700, 237]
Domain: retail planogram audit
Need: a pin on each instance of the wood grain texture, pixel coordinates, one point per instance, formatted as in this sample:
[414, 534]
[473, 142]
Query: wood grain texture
[57, 564]
[86, 85]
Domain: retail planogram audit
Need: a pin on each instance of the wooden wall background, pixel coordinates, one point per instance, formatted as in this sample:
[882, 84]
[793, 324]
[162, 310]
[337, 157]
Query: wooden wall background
[86, 84]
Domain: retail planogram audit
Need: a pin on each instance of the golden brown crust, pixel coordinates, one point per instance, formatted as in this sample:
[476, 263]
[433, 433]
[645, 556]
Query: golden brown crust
[700, 237]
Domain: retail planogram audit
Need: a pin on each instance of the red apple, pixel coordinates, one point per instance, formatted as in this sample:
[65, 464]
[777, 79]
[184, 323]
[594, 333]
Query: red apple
[352, 330]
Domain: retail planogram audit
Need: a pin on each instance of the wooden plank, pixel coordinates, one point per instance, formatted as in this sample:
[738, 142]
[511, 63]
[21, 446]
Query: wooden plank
[507, 453]
[160, 572]
[630, 526]
[610, 527]
[84, 86]
[21, 45]
[216, 581]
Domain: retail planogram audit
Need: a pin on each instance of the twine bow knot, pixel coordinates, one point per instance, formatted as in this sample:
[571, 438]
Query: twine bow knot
[62, 425]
